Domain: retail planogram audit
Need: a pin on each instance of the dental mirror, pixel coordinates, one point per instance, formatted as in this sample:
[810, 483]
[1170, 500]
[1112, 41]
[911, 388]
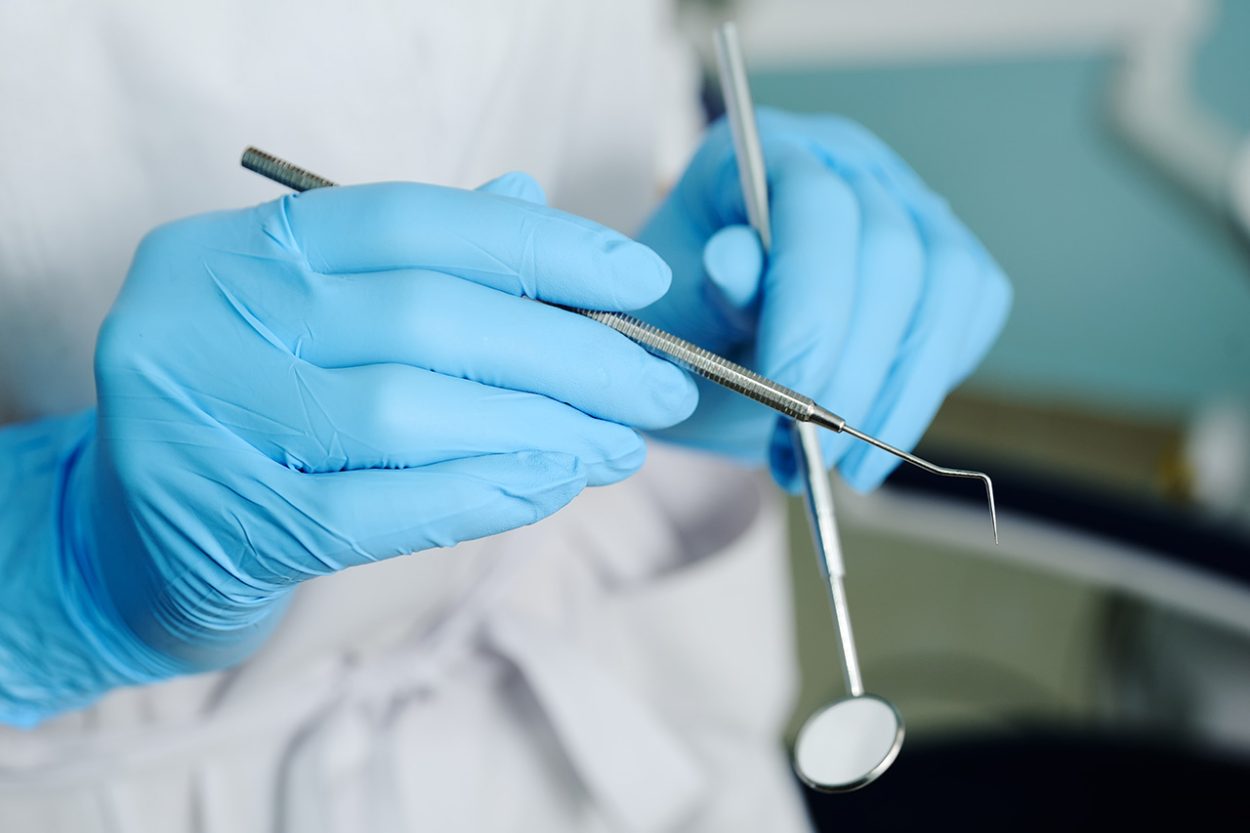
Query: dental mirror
[850, 742]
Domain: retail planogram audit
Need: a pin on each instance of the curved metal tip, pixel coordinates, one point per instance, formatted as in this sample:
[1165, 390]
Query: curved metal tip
[934, 469]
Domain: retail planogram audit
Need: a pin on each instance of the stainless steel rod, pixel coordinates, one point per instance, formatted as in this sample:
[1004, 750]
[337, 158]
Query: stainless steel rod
[818, 494]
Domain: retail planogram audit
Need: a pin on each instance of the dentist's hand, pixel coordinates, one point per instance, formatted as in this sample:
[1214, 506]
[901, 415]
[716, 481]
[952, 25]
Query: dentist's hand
[327, 380]
[875, 300]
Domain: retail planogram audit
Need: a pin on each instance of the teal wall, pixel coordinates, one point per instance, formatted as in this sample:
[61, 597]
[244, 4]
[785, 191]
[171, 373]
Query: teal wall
[1128, 295]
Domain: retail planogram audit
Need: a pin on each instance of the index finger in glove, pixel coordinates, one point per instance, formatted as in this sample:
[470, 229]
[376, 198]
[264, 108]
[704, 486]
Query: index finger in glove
[502, 242]
[891, 279]
[963, 307]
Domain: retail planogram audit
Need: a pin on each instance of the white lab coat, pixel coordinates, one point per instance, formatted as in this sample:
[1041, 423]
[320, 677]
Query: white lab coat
[625, 665]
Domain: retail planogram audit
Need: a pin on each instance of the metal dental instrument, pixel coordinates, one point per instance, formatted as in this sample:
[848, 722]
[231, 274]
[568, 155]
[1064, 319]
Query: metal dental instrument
[687, 354]
[850, 742]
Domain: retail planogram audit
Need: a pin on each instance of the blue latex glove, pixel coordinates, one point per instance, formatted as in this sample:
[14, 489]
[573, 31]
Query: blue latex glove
[875, 300]
[287, 391]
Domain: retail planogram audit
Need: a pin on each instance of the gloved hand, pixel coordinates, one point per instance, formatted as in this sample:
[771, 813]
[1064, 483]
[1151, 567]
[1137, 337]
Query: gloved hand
[875, 300]
[322, 381]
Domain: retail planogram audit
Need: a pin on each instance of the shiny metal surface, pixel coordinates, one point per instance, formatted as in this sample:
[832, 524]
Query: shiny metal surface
[848, 744]
[933, 468]
[282, 171]
[821, 517]
[717, 369]
[740, 112]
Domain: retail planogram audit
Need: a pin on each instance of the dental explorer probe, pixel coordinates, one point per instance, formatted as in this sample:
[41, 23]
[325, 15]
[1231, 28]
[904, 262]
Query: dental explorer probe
[691, 356]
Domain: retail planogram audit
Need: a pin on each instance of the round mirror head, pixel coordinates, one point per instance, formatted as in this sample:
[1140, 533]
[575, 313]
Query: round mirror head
[849, 743]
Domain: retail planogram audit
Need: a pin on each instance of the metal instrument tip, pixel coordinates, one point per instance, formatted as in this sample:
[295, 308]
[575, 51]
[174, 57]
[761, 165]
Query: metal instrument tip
[932, 468]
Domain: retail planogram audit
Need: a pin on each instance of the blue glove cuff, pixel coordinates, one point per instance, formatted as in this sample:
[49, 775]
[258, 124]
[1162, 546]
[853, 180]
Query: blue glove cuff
[65, 637]
[54, 652]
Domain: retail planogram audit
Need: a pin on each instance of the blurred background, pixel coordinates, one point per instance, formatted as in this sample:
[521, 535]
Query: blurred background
[1101, 150]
